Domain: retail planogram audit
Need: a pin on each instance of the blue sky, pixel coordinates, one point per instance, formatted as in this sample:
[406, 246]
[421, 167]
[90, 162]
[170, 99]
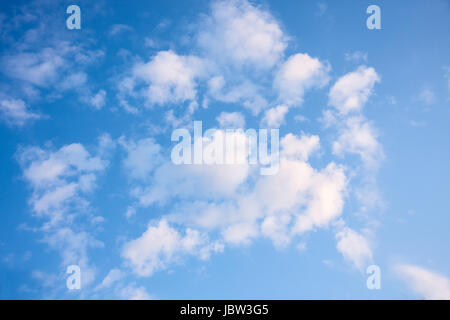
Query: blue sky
[87, 178]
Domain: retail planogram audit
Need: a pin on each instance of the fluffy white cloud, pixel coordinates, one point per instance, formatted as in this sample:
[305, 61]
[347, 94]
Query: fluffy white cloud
[351, 91]
[44, 168]
[222, 200]
[142, 157]
[354, 247]
[425, 283]
[274, 117]
[315, 198]
[212, 181]
[247, 93]
[61, 180]
[39, 68]
[195, 181]
[231, 120]
[161, 245]
[299, 148]
[16, 112]
[242, 34]
[358, 137]
[298, 74]
[98, 100]
[133, 292]
[167, 78]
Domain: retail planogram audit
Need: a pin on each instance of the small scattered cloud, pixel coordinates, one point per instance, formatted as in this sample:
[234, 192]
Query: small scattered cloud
[354, 247]
[16, 112]
[231, 120]
[119, 28]
[356, 56]
[427, 97]
[274, 117]
[426, 283]
[321, 8]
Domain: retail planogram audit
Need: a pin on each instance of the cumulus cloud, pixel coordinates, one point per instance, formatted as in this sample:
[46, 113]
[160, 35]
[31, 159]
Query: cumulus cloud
[231, 120]
[298, 74]
[16, 112]
[354, 247]
[239, 33]
[161, 245]
[142, 157]
[246, 92]
[427, 284]
[61, 180]
[351, 91]
[299, 148]
[167, 78]
[39, 68]
[358, 137]
[195, 181]
[98, 100]
[274, 117]
[224, 204]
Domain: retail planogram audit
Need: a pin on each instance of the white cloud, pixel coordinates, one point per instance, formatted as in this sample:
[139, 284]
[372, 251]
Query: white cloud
[119, 28]
[131, 211]
[274, 117]
[242, 34]
[231, 120]
[211, 181]
[356, 56]
[358, 137]
[425, 283]
[73, 81]
[351, 91]
[98, 100]
[298, 74]
[39, 68]
[160, 245]
[296, 200]
[142, 157]
[195, 181]
[60, 181]
[168, 78]
[299, 148]
[427, 96]
[16, 112]
[132, 292]
[246, 93]
[354, 247]
[113, 276]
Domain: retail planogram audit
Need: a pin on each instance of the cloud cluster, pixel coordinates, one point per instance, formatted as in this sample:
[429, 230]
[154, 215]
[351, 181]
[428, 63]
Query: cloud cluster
[233, 206]
[61, 181]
